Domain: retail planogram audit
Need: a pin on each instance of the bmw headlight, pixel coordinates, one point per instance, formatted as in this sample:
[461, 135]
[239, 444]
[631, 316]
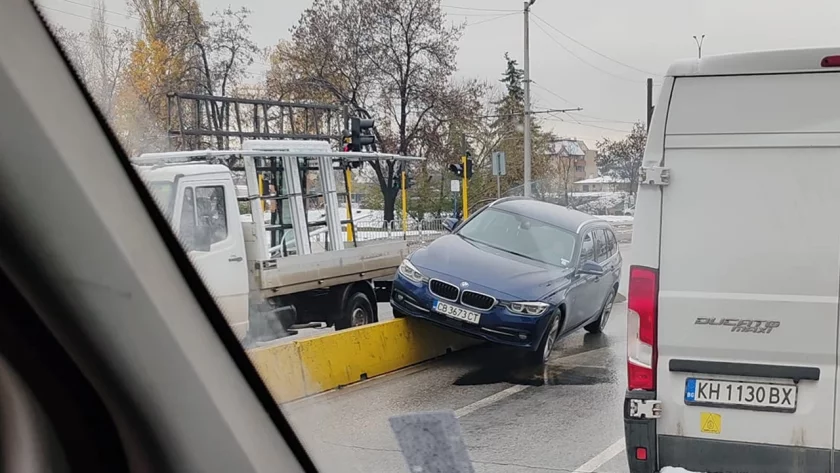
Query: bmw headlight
[527, 308]
[410, 271]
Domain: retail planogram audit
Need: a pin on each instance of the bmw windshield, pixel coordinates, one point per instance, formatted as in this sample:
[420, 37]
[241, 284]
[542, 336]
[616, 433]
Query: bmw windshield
[521, 236]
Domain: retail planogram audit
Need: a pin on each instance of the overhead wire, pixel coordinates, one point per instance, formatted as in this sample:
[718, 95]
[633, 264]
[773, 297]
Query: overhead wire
[479, 9]
[498, 17]
[594, 50]
[576, 56]
[587, 124]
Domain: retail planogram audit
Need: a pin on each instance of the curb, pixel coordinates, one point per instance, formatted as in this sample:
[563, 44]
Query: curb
[314, 365]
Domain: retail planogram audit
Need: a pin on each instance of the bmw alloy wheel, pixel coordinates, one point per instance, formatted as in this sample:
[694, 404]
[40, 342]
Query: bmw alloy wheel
[605, 314]
[551, 337]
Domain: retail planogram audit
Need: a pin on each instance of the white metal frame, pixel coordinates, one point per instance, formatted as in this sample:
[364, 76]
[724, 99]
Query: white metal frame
[289, 151]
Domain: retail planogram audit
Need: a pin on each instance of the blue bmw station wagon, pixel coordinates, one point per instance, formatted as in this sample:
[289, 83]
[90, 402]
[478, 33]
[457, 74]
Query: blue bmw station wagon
[520, 272]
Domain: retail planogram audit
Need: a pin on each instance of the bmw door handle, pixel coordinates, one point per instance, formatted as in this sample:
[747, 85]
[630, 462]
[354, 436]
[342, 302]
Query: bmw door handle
[234, 259]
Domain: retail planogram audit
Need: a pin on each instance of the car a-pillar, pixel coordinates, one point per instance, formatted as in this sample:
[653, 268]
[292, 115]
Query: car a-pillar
[356, 303]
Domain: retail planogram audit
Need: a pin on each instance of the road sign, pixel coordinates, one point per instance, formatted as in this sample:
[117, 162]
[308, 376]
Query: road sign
[499, 163]
[455, 185]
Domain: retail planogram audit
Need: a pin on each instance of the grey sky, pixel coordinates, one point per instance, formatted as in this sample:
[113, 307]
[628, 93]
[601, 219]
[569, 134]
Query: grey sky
[647, 35]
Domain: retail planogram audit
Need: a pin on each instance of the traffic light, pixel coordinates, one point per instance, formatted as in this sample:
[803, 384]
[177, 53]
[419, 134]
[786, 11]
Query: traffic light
[457, 169]
[361, 133]
[397, 181]
[469, 167]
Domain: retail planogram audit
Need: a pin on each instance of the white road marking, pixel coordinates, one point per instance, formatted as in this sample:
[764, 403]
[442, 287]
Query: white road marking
[470, 408]
[598, 460]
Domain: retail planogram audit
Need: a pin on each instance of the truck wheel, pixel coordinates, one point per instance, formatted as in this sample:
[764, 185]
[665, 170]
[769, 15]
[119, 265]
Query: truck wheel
[357, 311]
[600, 323]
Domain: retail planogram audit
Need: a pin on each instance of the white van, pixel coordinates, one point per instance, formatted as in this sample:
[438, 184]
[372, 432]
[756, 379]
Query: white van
[733, 287]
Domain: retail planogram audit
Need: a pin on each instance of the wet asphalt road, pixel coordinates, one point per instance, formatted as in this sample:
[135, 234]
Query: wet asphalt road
[514, 418]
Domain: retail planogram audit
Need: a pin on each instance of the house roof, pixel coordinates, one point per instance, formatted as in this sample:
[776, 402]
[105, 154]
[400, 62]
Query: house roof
[568, 148]
[603, 180]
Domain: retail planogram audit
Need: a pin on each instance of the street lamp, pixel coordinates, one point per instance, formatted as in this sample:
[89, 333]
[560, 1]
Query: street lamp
[527, 115]
[699, 45]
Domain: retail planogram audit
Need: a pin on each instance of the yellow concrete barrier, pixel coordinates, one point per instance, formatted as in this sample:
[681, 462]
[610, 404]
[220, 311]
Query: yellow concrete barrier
[313, 365]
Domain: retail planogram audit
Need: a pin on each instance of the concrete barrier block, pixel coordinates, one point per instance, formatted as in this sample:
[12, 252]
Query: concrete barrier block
[314, 365]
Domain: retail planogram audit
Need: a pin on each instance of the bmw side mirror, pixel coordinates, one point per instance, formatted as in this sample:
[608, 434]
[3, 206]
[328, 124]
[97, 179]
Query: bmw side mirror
[450, 223]
[591, 267]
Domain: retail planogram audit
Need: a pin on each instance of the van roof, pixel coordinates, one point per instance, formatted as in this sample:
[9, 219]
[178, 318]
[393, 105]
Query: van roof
[759, 62]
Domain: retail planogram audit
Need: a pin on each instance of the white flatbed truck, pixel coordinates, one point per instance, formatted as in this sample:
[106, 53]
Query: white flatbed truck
[265, 292]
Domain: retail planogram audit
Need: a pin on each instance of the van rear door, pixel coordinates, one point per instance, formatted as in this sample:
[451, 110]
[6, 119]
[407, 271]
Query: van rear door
[748, 276]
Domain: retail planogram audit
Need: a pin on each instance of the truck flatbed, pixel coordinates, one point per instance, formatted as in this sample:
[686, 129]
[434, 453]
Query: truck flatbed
[293, 274]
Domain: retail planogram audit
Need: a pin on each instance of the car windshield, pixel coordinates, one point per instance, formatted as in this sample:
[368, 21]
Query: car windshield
[521, 236]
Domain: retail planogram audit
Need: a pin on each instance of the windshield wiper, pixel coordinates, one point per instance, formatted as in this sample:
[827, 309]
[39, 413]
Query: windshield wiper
[503, 249]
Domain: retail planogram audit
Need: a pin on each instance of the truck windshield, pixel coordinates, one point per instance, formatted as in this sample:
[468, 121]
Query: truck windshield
[522, 236]
[164, 194]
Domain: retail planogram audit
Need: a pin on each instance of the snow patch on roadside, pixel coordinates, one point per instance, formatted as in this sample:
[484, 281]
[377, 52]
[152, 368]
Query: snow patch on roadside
[616, 218]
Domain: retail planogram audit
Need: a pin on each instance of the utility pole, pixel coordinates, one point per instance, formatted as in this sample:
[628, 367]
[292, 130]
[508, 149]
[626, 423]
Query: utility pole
[527, 114]
[699, 45]
[649, 101]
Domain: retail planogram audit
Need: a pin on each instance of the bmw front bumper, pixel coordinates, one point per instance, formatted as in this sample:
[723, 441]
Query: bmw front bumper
[497, 325]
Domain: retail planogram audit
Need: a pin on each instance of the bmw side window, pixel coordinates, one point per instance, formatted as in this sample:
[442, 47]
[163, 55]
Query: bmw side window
[602, 251]
[210, 212]
[587, 248]
[613, 243]
[187, 225]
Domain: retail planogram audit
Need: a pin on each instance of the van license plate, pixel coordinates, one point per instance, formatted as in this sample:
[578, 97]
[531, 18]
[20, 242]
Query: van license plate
[457, 312]
[741, 395]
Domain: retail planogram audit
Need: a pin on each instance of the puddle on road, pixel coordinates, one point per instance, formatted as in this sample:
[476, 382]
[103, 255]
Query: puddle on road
[505, 366]
[550, 375]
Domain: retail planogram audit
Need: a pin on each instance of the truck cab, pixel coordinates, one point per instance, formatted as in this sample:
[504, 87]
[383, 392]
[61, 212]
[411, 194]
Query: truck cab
[201, 204]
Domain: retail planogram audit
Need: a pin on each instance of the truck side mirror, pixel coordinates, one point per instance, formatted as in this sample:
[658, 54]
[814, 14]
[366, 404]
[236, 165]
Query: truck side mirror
[450, 223]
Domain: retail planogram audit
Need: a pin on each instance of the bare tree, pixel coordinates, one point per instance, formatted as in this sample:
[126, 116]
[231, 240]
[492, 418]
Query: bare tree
[392, 59]
[99, 56]
[110, 53]
[223, 51]
[623, 159]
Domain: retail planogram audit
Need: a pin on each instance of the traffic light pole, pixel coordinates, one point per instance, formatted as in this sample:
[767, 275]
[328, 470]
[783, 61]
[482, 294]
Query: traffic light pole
[348, 184]
[464, 189]
[404, 204]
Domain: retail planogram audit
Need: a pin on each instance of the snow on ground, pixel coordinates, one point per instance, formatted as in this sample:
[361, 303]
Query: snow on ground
[616, 218]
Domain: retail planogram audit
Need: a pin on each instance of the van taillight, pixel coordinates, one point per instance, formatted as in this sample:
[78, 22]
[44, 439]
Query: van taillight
[642, 302]
[830, 61]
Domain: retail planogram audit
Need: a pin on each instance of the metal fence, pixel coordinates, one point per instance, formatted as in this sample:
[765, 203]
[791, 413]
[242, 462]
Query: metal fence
[416, 232]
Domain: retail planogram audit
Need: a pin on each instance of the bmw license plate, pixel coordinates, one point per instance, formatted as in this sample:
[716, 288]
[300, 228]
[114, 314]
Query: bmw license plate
[741, 395]
[456, 312]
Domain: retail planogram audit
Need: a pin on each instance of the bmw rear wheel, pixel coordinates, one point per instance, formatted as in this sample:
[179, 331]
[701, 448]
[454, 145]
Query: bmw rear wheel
[598, 325]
